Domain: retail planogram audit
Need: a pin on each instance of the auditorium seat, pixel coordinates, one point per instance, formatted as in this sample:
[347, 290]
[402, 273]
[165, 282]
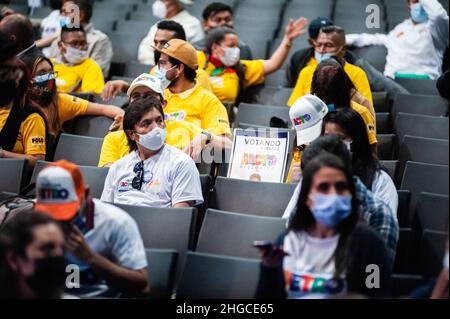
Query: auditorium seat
[231, 234]
[81, 150]
[13, 174]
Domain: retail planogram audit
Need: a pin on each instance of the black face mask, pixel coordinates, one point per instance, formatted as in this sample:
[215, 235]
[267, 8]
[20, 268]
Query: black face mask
[49, 277]
[43, 92]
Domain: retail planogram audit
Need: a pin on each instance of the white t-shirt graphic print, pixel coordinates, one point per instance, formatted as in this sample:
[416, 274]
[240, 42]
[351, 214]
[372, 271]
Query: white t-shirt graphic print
[309, 269]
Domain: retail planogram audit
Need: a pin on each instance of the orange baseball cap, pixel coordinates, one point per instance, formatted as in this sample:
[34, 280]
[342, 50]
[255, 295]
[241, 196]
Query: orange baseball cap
[60, 189]
[182, 51]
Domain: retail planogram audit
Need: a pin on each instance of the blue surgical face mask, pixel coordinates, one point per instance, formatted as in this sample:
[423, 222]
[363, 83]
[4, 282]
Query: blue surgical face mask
[322, 57]
[418, 13]
[331, 107]
[161, 74]
[64, 21]
[330, 210]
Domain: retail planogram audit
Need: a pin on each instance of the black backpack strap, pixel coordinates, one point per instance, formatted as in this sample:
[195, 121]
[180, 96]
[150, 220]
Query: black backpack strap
[25, 190]
[10, 131]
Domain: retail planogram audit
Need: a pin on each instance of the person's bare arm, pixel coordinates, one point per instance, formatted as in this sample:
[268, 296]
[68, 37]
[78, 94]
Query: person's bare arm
[293, 30]
[110, 111]
[114, 88]
[198, 144]
[183, 205]
[32, 159]
[134, 282]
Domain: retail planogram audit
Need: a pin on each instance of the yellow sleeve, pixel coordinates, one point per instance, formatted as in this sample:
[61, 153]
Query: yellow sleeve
[33, 135]
[203, 80]
[362, 84]
[368, 120]
[299, 89]
[70, 107]
[215, 117]
[93, 81]
[181, 133]
[201, 57]
[114, 147]
[254, 72]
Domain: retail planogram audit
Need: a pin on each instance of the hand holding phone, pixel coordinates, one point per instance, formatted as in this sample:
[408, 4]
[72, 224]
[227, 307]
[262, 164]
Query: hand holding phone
[271, 254]
[263, 245]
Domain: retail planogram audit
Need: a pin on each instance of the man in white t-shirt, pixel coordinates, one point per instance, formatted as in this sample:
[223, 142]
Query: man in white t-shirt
[153, 174]
[102, 241]
[416, 46]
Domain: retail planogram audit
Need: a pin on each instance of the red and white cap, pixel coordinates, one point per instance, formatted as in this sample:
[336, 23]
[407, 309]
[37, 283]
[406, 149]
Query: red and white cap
[60, 189]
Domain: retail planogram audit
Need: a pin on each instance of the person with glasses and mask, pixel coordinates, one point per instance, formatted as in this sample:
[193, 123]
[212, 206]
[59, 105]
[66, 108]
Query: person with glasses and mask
[99, 45]
[61, 107]
[331, 43]
[325, 252]
[102, 240]
[76, 71]
[32, 264]
[153, 174]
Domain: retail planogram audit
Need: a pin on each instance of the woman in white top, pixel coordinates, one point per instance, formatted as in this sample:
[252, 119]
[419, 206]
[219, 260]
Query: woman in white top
[325, 252]
[349, 125]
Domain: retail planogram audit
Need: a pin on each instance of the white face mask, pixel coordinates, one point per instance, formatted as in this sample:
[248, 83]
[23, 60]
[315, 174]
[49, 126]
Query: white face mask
[231, 56]
[154, 139]
[159, 9]
[75, 56]
[320, 57]
[161, 74]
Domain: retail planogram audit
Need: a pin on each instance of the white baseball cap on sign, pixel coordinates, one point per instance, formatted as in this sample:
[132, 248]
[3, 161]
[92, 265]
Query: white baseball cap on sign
[307, 115]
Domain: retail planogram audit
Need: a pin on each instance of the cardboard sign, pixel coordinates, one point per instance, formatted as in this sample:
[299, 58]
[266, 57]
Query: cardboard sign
[259, 155]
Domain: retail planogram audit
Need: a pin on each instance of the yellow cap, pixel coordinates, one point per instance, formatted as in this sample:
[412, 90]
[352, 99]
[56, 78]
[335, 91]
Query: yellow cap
[181, 51]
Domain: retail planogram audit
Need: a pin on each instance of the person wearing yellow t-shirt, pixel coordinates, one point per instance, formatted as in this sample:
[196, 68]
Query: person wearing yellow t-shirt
[166, 31]
[228, 74]
[76, 72]
[61, 107]
[187, 101]
[180, 133]
[22, 128]
[331, 43]
[332, 85]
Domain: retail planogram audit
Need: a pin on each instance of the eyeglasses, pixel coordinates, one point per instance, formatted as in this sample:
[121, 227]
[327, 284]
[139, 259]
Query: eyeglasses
[81, 45]
[339, 186]
[139, 179]
[136, 96]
